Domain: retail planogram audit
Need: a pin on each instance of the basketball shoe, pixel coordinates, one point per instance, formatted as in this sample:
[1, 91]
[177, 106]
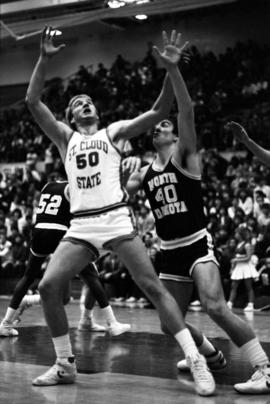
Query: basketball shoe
[215, 361]
[117, 328]
[203, 379]
[88, 324]
[259, 383]
[62, 372]
[6, 330]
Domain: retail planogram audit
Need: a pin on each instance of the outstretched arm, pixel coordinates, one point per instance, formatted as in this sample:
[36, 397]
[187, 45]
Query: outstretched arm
[57, 131]
[241, 135]
[185, 152]
[123, 130]
[160, 110]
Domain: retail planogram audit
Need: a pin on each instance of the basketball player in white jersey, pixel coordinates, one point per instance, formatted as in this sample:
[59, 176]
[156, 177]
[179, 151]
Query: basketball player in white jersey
[172, 186]
[102, 220]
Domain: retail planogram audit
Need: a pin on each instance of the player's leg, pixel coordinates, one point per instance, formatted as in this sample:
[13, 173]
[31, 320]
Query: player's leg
[134, 256]
[87, 302]
[97, 292]
[207, 278]
[32, 300]
[33, 267]
[67, 261]
[182, 292]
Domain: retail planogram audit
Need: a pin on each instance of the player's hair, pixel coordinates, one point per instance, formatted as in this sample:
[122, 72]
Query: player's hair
[173, 121]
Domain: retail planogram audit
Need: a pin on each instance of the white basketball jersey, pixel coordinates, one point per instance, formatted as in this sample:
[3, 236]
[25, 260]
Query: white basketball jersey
[93, 167]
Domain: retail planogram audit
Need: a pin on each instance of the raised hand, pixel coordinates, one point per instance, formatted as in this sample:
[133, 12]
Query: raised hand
[47, 48]
[172, 49]
[131, 164]
[238, 131]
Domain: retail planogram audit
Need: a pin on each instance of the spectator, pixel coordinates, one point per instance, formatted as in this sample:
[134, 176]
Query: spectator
[5, 252]
[259, 200]
[245, 202]
[264, 216]
[243, 267]
[19, 254]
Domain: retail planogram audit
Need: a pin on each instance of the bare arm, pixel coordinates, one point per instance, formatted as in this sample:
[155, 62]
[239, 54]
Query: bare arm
[123, 130]
[241, 135]
[162, 106]
[185, 152]
[57, 131]
[135, 181]
[185, 117]
[244, 257]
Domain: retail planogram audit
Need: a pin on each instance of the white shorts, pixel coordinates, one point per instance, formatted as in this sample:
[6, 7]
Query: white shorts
[101, 233]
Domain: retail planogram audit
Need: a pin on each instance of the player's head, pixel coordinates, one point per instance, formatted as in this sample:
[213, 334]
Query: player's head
[163, 134]
[81, 110]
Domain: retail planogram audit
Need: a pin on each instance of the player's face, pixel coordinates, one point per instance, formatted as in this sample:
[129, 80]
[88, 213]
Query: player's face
[84, 109]
[163, 133]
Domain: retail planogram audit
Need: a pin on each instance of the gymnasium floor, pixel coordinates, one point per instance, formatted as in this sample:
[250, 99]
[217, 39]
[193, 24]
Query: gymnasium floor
[137, 367]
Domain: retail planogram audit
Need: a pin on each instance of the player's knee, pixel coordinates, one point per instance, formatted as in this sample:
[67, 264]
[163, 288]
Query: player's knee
[47, 289]
[215, 307]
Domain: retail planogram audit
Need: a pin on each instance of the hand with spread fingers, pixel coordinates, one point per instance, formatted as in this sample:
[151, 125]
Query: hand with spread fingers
[131, 164]
[47, 47]
[172, 49]
[238, 131]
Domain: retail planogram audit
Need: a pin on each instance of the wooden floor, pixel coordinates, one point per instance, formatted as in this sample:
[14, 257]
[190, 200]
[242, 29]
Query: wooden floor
[137, 367]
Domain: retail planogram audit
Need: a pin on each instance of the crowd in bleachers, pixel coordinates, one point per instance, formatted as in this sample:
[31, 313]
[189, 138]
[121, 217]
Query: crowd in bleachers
[236, 186]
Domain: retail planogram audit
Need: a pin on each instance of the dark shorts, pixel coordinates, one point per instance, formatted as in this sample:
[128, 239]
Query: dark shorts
[45, 241]
[177, 264]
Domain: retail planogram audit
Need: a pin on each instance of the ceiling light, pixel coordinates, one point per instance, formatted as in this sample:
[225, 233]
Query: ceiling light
[121, 3]
[141, 17]
[115, 3]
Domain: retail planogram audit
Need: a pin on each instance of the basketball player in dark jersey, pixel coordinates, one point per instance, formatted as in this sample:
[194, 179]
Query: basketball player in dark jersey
[52, 221]
[172, 184]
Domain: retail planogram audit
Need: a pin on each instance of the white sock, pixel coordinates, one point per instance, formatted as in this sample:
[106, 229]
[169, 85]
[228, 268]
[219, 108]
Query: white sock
[108, 313]
[206, 348]
[62, 346]
[33, 299]
[9, 316]
[86, 313]
[254, 353]
[83, 295]
[186, 342]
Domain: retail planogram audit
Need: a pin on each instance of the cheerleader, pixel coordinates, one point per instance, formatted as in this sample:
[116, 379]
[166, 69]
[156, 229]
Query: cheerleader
[243, 267]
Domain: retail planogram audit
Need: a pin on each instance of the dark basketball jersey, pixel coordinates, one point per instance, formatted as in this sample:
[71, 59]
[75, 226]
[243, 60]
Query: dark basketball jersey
[175, 197]
[53, 211]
